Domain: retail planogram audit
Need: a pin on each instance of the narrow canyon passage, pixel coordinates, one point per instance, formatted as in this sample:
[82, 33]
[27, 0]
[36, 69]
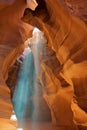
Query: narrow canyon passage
[43, 65]
[30, 107]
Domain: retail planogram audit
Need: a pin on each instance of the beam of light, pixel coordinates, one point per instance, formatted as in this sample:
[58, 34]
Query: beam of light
[38, 44]
[27, 85]
[24, 88]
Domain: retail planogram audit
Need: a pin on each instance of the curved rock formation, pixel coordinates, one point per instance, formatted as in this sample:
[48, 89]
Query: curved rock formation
[11, 45]
[64, 73]
[66, 35]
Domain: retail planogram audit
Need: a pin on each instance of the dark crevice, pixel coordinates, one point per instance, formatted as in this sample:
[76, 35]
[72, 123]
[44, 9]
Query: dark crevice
[41, 11]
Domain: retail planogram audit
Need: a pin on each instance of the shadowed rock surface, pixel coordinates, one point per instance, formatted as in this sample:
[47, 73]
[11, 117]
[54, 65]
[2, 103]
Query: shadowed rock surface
[63, 72]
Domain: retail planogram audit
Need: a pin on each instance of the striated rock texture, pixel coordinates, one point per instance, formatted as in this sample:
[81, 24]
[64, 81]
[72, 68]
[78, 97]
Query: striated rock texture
[64, 73]
[13, 33]
[77, 8]
[67, 36]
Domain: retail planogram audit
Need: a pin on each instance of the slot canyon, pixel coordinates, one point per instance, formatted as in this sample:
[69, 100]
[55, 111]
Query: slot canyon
[43, 64]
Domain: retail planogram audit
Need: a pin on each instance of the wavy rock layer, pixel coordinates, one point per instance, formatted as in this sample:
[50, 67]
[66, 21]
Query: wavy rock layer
[67, 36]
[13, 33]
[65, 81]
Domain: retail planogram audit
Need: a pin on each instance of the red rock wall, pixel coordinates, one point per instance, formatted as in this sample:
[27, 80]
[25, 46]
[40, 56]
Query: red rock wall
[13, 33]
[67, 36]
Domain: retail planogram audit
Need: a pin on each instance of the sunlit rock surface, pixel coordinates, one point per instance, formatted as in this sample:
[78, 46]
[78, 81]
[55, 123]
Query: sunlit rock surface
[13, 33]
[67, 35]
[64, 73]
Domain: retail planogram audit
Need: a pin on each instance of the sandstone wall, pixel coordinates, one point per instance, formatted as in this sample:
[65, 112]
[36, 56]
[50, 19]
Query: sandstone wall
[67, 36]
[13, 33]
